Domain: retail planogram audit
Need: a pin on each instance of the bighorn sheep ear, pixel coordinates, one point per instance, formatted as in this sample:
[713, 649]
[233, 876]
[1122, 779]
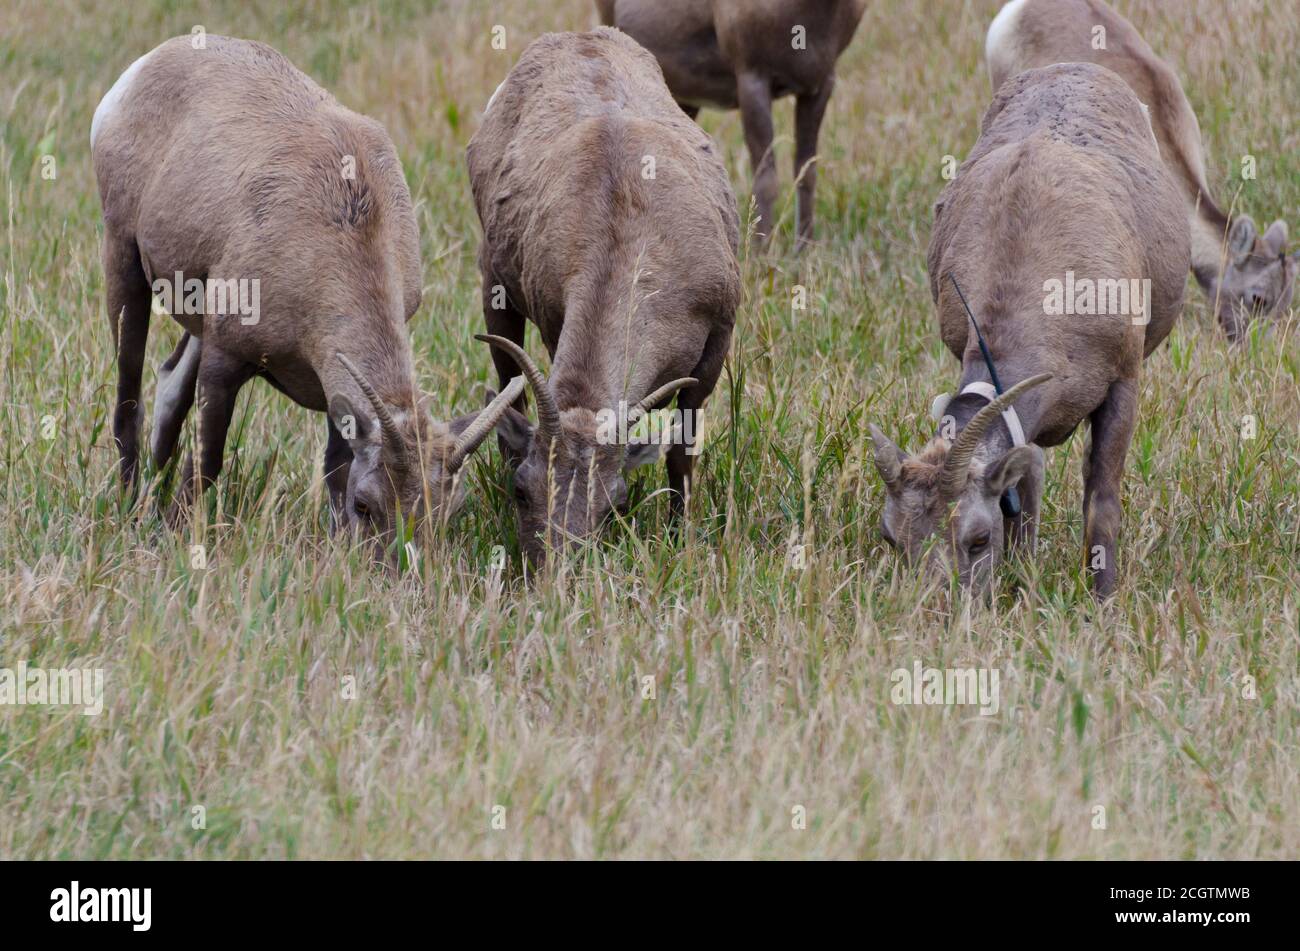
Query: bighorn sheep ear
[648, 453]
[1241, 239]
[889, 458]
[940, 406]
[352, 425]
[1014, 465]
[643, 455]
[1275, 237]
[396, 451]
[514, 427]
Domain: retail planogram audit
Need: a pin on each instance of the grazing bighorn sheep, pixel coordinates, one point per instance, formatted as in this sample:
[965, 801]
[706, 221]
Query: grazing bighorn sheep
[1065, 180]
[745, 53]
[222, 166]
[1253, 274]
[608, 221]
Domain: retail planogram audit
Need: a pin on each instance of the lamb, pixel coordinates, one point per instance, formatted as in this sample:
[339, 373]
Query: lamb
[222, 168]
[609, 223]
[1065, 187]
[745, 53]
[1252, 275]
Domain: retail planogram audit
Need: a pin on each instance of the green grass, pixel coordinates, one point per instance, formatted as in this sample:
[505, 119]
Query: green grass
[227, 687]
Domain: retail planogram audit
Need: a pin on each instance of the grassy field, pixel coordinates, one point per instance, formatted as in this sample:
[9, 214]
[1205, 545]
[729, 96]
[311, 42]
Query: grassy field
[315, 707]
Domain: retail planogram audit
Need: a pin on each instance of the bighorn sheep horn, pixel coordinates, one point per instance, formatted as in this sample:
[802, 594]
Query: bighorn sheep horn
[548, 413]
[483, 424]
[395, 448]
[649, 402]
[889, 458]
[952, 480]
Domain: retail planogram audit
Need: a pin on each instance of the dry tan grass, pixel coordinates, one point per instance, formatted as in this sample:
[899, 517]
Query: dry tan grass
[225, 686]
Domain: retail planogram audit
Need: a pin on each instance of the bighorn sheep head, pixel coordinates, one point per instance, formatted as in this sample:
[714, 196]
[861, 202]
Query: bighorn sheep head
[1258, 278]
[954, 490]
[569, 478]
[404, 462]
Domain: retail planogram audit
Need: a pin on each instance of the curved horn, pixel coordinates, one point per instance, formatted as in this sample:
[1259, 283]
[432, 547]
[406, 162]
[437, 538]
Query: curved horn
[889, 458]
[548, 414]
[648, 403]
[952, 480]
[393, 439]
[483, 424]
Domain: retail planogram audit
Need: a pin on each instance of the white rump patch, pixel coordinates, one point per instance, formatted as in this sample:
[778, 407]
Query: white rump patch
[1001, 30]
[112, 100]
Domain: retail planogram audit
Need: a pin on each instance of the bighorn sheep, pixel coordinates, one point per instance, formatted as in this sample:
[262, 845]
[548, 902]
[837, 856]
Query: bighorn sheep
[1064, 188]
[1252, 274]
[608, 221]
[222, 167]
[745, 53]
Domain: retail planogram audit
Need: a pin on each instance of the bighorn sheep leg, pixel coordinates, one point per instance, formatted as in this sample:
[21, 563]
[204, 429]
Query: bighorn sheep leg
[755, 95]
[1112, 425]
[1022, 531]
[126, 290]
[681, 464]
[220, 378]
[338, 462]
[509, 323]
[809, 111]
[176, 380]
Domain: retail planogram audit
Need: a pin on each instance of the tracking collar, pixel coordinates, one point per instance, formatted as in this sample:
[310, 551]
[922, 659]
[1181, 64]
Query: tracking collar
[1010, 501]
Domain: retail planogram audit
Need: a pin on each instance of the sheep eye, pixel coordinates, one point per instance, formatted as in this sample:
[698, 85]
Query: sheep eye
[520, 495]
[361, 508]
[979, 544]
